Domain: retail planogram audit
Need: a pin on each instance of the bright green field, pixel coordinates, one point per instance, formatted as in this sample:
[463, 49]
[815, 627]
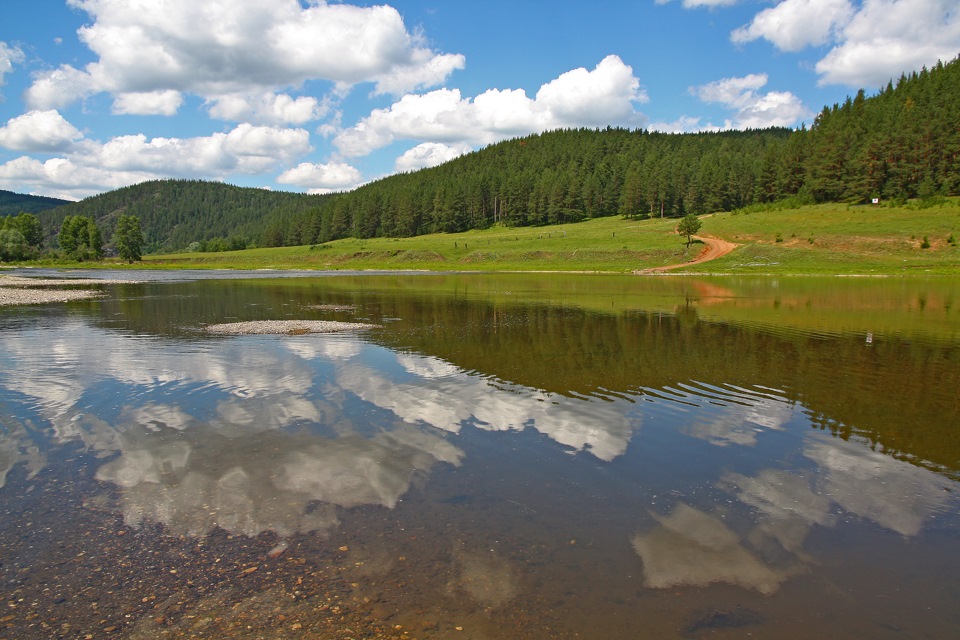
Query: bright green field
[821, 239]
[843, 239]
[607, 244]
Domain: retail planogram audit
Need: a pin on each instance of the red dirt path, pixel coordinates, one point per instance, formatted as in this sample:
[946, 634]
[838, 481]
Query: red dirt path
[715, 248]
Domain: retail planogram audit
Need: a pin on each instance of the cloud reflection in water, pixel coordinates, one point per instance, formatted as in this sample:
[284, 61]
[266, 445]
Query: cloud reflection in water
[252, 434]
[443, 397]
[694, 548]
[197, 480]
[890, 492]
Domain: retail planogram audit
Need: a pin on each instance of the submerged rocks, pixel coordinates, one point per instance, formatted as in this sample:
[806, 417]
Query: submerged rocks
[286, 327]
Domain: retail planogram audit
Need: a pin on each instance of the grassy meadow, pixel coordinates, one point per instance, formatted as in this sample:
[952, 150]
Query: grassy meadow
[817, 239]
[842, 239]
[605, 245]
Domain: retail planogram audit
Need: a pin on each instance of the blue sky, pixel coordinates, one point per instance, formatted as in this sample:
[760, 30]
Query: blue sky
[317, 96]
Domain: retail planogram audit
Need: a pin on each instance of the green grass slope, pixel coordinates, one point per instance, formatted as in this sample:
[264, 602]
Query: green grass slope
[832, 238]
[820, 239]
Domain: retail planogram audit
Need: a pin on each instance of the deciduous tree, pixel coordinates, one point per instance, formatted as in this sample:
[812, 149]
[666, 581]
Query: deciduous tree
[13, 246]
[80, 238]
[129, 238]
[689, 225]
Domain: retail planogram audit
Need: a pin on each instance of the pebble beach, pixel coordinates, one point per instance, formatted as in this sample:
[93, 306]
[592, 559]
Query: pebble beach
[18, 290]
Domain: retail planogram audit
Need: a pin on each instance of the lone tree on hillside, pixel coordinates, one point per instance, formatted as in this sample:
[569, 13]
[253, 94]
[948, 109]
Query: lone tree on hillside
[129, 238]
[688, 226]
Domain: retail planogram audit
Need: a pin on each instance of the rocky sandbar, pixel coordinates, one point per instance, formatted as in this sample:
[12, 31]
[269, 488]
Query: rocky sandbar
[20, 290]
[286, 327]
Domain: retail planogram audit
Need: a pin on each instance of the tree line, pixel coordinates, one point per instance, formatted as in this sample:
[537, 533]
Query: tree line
[21, 237]
[79, 238]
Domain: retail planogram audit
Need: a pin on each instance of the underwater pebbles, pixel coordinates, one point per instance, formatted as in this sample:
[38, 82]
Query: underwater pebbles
[286, 327]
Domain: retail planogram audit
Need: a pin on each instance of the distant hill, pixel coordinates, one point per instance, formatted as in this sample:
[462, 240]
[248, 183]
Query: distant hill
[12, 203]
[174, 213]
[903, 142]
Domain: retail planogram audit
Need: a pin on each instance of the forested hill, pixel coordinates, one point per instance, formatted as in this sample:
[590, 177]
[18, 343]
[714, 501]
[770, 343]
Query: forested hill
[12, 204]
[903, 142]
[174, 213]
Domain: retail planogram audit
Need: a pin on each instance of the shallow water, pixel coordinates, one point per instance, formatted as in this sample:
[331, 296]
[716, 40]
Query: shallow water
[502, 457]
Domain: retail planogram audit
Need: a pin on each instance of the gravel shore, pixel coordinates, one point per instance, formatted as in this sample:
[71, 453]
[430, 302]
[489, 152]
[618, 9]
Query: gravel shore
[10, 296]
[286, 327]
[19, 290]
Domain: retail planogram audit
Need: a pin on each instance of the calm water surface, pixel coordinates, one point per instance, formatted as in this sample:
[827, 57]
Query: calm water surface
[502, 457]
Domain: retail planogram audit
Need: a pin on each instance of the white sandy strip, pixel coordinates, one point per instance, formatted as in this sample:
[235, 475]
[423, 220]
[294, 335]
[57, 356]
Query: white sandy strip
[286, 327]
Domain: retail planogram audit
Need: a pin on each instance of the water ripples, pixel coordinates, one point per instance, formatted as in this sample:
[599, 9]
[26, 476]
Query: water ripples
[696, 394]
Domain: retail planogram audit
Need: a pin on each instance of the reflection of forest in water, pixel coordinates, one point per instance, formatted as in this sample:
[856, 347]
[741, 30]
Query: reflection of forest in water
[897, 393]
[588, 336]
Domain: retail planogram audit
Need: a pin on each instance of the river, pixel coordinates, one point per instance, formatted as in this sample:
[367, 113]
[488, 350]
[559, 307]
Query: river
[495, 456]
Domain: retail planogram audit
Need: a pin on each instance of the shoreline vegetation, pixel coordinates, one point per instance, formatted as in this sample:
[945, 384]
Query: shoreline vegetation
[834, 239]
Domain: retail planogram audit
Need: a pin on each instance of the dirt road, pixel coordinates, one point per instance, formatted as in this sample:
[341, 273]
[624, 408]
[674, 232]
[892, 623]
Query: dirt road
[715, 248]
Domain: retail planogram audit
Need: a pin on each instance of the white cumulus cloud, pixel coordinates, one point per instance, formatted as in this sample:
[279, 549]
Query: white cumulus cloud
[430, 154]
[321, 177]
[63, 178]
[59, 88]
[795, 24]
[162, 103]
[889, 37]
[753, 110]
[268, 108]
[39, 131]
[683, 124]
[91, 167]
[8, 57]
[869, 41]
[733, 92]
[604, 96]
[244, 46]
[245, 149]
